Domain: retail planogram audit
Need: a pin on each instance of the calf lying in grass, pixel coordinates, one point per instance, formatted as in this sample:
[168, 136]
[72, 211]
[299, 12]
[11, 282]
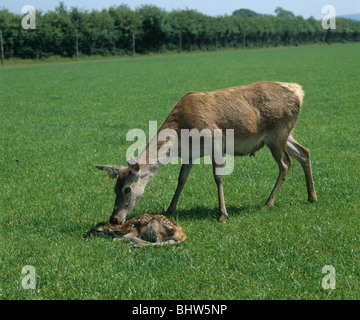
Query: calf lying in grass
[158, 229]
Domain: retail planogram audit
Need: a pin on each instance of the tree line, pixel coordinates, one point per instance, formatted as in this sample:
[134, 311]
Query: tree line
[120, 30]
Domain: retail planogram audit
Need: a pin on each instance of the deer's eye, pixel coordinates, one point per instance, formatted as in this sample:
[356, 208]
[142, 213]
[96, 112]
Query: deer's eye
[127, 190]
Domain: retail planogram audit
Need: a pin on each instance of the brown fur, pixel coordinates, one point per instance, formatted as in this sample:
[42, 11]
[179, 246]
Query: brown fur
[249, 110]
[158, 229]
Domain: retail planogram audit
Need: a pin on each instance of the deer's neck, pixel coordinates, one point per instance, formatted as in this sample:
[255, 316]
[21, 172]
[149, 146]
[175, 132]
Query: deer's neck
[155, 155]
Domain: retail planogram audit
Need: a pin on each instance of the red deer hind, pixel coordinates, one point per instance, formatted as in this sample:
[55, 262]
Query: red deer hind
[262, 113]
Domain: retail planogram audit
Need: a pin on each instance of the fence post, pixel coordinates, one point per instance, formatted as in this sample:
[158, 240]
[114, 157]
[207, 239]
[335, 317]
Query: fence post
[77, 48]
[2, 47]
[133, 44]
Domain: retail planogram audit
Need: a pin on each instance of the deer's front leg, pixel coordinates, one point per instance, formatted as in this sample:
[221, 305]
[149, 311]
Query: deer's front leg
[184, 174]
[128, 237]
[134, 239]
[223, 215]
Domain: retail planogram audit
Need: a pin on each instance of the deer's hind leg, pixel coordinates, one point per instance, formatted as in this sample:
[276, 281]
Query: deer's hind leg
[156, 232]
[151, 231]
[218, 177]
[278, 149]
[301, 154]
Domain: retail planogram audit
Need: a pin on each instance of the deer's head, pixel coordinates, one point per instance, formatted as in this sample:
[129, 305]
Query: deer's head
[128, 189]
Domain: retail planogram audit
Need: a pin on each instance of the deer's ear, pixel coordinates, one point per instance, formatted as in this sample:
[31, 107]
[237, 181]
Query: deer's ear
[112, 170]
[133, 165]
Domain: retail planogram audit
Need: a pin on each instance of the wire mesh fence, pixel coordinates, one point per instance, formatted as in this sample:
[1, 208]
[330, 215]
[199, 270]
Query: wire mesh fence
[121, 31]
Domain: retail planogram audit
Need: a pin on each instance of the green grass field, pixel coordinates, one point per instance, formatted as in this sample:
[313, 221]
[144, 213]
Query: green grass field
[58, 120]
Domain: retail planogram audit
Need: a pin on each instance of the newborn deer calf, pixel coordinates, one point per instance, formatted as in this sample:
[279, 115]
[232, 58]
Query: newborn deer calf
[157, 229]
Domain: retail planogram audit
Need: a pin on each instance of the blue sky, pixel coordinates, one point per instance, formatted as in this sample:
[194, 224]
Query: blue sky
[306, 8]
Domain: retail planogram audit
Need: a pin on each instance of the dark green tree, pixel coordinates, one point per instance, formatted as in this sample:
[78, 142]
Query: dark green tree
[282, 13]
[121, 30]
[246, 12]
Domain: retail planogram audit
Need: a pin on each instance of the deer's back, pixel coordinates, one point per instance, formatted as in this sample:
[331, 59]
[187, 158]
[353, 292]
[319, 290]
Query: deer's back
[250, 109]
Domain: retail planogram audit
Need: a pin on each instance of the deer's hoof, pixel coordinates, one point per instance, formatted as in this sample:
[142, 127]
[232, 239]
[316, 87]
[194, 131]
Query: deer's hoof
[223, 218]
[266, 206]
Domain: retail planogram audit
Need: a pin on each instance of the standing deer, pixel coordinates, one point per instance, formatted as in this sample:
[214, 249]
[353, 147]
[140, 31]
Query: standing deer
[159, 229]
[262, 113]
